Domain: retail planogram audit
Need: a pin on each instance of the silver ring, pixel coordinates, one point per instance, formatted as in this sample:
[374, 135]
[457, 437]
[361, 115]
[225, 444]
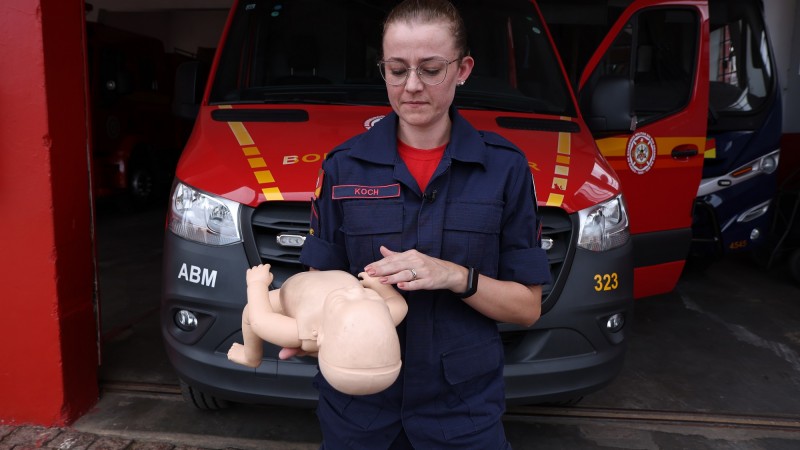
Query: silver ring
[413, 274]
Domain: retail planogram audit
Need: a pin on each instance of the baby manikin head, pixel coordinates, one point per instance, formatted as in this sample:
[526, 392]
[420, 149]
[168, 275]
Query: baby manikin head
[359, 352]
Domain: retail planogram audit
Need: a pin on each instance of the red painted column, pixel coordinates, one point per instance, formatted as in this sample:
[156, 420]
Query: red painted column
[48, 365]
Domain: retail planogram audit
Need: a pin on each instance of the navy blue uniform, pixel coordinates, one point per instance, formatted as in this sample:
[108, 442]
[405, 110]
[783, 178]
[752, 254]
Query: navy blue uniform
[478, 210]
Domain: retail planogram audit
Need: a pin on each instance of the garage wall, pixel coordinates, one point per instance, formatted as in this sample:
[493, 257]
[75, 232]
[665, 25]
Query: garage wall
[183, 31]
[48, 373]
[781, 17]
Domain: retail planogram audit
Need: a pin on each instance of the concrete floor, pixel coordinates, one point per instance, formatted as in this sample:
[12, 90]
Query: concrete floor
[720, 356]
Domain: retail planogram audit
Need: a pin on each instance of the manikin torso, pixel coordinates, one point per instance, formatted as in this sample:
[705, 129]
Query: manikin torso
[304, 300]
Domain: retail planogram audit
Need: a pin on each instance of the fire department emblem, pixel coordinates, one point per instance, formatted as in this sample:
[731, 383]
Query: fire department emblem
[369, 123]
[641, 153]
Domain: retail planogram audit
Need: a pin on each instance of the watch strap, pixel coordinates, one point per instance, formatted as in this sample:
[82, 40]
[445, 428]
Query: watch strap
[472, 282]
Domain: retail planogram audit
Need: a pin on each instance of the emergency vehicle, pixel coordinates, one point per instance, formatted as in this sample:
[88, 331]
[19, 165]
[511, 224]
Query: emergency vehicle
[743, 116]
[292, 80]
[136, 140]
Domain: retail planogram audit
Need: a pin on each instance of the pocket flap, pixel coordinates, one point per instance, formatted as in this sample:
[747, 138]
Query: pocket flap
[481, 217]
[364, 217]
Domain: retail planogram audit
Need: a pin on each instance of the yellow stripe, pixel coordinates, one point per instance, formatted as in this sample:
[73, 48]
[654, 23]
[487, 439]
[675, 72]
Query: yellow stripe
[241, 133]
[272, 193]
[256, 163]
[710, 153]
[564, 143]
[555, 200]
[561, 159]
[618, 146]
[264, 177]
[562, 170]
[254, 158]
[612, 146]
[559, 183]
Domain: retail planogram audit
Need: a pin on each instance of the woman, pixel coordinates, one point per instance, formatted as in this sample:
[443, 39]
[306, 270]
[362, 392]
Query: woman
[425, 202]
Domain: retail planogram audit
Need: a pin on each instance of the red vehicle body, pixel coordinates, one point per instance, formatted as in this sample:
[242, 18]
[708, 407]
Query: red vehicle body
[280, 96]
[136, 140]
[668, 71]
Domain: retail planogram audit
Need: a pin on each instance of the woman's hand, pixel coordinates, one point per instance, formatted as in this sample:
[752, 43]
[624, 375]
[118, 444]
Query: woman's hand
[412, 270]
[504, 301]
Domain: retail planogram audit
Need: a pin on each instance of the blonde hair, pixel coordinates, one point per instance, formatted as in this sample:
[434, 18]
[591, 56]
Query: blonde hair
[429, 11]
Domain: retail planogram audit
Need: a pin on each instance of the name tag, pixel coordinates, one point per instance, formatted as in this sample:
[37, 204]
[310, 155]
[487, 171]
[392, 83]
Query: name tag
[348, 191]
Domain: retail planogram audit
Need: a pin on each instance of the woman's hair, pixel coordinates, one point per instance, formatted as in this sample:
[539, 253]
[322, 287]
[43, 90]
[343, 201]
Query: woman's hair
[429, 11]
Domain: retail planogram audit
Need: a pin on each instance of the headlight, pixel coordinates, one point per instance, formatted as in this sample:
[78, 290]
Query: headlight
[604, 226]
[202, 217]
[769, 163]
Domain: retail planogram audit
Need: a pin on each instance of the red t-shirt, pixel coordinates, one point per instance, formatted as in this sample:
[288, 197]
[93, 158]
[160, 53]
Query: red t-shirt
[420, 162]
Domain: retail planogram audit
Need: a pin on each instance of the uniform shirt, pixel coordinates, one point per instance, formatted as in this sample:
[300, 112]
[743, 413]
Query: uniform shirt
[477, 210]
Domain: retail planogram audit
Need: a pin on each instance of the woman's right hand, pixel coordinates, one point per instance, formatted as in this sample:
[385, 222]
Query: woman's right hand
[287, 353]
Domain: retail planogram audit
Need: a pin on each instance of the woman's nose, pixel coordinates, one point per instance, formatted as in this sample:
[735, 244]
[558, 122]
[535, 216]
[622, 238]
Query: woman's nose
[413, 83]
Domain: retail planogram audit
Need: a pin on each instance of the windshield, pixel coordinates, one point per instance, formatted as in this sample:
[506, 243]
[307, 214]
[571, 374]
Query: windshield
[326, 51]
[741, 73]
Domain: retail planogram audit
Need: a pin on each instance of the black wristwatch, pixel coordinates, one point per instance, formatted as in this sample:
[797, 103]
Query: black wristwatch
[472, 282]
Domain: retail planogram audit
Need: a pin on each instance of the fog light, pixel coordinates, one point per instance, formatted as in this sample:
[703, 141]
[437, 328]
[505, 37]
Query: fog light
[615, 322]
[755, 234]
[186, 320]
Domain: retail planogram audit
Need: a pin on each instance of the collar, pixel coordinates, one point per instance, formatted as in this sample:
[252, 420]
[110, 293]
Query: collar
[379, 144]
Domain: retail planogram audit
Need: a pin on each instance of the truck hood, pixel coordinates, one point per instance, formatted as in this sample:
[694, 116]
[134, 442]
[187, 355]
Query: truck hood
[251, 154]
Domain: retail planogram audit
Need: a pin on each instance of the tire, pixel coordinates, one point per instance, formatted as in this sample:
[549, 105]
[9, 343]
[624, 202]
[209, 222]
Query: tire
[200, 399]
[142, 184]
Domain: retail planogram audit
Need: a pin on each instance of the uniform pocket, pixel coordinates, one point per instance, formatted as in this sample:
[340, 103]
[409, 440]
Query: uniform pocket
[472, 234]
[475, 394]
[368, 224]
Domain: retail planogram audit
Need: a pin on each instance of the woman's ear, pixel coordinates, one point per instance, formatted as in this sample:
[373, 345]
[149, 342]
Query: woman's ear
[465, 69]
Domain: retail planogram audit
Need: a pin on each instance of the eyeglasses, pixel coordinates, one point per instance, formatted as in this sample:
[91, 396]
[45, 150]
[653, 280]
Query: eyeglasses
[430, 72]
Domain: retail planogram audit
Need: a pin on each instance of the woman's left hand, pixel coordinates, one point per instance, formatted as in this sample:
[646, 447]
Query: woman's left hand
[412, 271]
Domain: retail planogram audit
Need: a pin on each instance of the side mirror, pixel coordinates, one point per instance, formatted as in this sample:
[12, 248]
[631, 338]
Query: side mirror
[190, 80]
[608, 104]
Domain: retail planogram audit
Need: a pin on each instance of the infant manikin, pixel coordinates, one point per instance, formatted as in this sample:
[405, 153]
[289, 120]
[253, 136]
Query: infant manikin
[349, 324]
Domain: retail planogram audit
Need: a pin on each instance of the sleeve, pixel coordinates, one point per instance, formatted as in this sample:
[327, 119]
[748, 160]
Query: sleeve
[521, 257]
[323, 248]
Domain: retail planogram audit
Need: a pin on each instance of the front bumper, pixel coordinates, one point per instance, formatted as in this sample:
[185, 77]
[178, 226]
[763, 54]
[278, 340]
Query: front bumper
[565, 355]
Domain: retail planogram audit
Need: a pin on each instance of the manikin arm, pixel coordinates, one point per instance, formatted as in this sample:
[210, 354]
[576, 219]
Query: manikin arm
[270, 326]
[396, 303]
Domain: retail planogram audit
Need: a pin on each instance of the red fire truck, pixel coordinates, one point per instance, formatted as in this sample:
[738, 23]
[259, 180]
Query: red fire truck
[136, 140]
[291, 80]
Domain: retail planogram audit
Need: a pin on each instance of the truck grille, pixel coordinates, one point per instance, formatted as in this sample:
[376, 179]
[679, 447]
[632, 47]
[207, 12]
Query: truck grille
[272, 218]
[557, 226]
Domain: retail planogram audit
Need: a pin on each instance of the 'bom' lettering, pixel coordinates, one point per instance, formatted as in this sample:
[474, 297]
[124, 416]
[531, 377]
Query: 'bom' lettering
[198, 275]
[288, 160]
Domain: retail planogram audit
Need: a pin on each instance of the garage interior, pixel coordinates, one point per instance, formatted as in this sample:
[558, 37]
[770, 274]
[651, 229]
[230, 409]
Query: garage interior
[723, 347]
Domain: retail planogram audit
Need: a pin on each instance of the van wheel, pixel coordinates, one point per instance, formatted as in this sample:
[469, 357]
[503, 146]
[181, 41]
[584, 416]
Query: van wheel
[142, 184]
[200, 399]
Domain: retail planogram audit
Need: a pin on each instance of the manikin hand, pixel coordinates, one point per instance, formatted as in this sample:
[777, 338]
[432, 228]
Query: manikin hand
[259, 275]
[369, 282]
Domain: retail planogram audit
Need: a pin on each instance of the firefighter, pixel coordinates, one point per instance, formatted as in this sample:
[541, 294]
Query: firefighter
[447, 215]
